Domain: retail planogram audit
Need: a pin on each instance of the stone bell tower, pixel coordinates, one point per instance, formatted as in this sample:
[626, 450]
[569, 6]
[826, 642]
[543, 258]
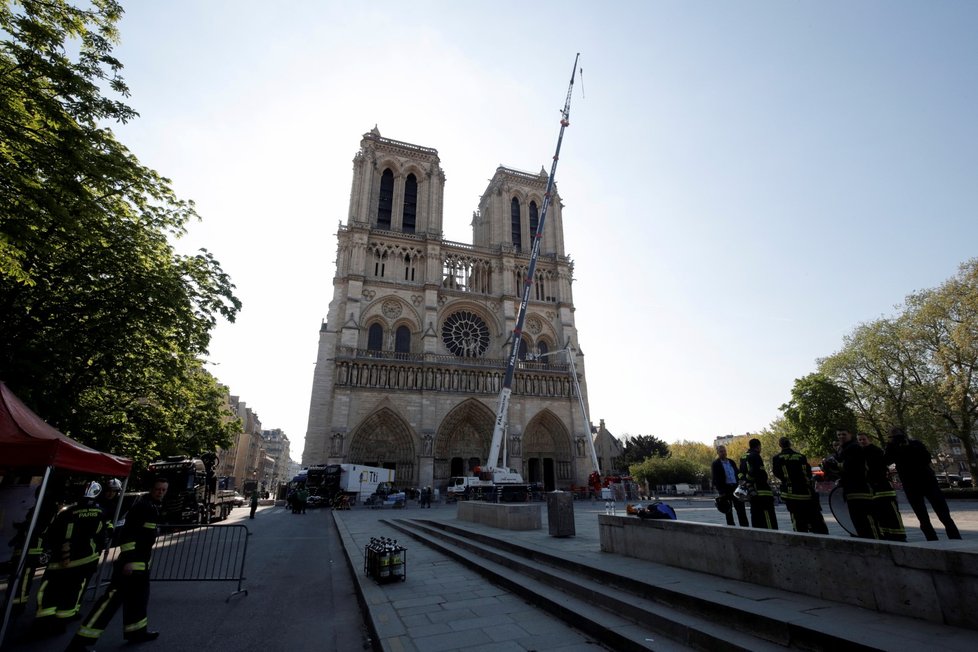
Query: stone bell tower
[414, 346]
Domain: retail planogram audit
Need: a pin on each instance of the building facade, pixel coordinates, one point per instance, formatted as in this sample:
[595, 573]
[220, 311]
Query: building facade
[414, 347]
[278, 448]
[243, 464]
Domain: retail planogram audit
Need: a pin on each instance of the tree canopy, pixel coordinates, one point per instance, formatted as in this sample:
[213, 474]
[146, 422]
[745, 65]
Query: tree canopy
[665, 470]
[919, 369]
[104, 326]
[699, 454]
[818, 407]
[640, 447]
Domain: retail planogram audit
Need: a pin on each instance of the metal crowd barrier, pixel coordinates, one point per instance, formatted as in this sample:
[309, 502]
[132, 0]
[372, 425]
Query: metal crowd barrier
[202, 553]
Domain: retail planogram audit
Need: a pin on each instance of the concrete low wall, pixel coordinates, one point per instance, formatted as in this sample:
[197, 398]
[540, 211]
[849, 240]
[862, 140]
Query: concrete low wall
[506, 516]
[936, 581]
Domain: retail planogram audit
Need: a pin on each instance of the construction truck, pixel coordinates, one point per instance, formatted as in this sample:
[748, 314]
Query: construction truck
[354, 482]
[193, 496]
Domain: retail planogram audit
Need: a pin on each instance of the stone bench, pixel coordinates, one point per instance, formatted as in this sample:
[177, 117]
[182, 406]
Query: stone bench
[934, 581]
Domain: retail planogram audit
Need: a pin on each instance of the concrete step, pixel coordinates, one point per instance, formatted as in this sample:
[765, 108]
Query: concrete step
[623, 620]
[725, 610]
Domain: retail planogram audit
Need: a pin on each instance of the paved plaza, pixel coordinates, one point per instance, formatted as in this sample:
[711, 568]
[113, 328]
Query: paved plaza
[444, 606]
[307, 590]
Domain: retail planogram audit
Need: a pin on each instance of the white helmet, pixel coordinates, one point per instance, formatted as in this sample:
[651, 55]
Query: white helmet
[93, 490]
[114, 485]
[741, 494]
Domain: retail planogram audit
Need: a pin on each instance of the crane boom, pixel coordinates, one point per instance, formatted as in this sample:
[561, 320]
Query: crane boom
[502, 407]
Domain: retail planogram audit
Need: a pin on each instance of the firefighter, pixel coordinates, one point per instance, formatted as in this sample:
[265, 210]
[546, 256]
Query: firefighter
[753, 475]
[130, 576]
[107, 501]
[35, 549]
[912, 461]
[886, 511]
[73, 542]
[854, 477]
[795, 474]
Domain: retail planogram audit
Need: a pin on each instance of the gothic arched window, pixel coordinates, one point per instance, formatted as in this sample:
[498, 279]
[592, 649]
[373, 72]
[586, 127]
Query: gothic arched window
[534, 220]
[402, 340]
[409, 218]
[386, 203]
[375, 338]
[517, 224]
[542, 349]
[523, 349]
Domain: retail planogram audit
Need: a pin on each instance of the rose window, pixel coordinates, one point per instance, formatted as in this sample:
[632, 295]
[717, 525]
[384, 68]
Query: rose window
[465, 334]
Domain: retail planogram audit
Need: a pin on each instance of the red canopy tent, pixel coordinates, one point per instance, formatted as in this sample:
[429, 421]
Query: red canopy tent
[27, 442]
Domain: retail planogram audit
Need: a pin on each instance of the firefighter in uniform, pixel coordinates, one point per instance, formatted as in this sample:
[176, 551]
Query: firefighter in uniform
[795, 474]
[854, 477]
[889, 523]
[109, 502]
[73, 542]
[753, 475]
[130, 576]
[35, 549]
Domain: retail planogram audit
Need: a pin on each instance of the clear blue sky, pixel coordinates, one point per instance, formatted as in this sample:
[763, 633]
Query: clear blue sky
[743, 183]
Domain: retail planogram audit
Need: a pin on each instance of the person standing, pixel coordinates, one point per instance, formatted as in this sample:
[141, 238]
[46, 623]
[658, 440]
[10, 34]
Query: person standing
[725, 481]
[254, 503]
[301, 497]
[108, 500]
[797, 491]
[885, 507]
[73, 542]
[35, 547]
[130, 576]
[753, 475]
[854, 477]
[912, 461]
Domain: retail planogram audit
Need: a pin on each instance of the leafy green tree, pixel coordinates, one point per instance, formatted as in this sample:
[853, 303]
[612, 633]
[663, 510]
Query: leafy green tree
[944, 325]
[699, 454]
[658, 471]
[639, 447]
[818, 406]
[879, 366]
[918, 370]
[104, 326]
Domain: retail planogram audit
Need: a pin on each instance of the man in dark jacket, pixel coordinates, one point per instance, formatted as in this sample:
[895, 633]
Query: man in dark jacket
[254, 503]
[753, 475]
[912, 461]
[130, 576]
[854, 477]
[794, 472]
[725, 481]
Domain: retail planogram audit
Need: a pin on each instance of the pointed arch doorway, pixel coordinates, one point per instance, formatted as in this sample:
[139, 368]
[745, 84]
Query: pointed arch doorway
[547, 452]
[463, 441]
[385, 440]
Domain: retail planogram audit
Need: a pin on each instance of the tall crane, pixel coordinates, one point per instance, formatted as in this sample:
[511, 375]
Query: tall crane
[501, 473]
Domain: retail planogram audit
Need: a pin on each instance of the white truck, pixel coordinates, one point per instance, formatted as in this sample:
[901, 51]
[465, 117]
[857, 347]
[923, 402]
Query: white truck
[461, 487]
[363, 480]
[356, 481]
[484, 486]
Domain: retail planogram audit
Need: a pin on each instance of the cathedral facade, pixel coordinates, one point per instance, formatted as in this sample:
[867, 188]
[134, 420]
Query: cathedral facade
[414, 347]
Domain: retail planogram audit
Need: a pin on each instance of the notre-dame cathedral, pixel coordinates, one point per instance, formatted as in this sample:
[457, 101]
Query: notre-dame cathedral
[414, 347]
